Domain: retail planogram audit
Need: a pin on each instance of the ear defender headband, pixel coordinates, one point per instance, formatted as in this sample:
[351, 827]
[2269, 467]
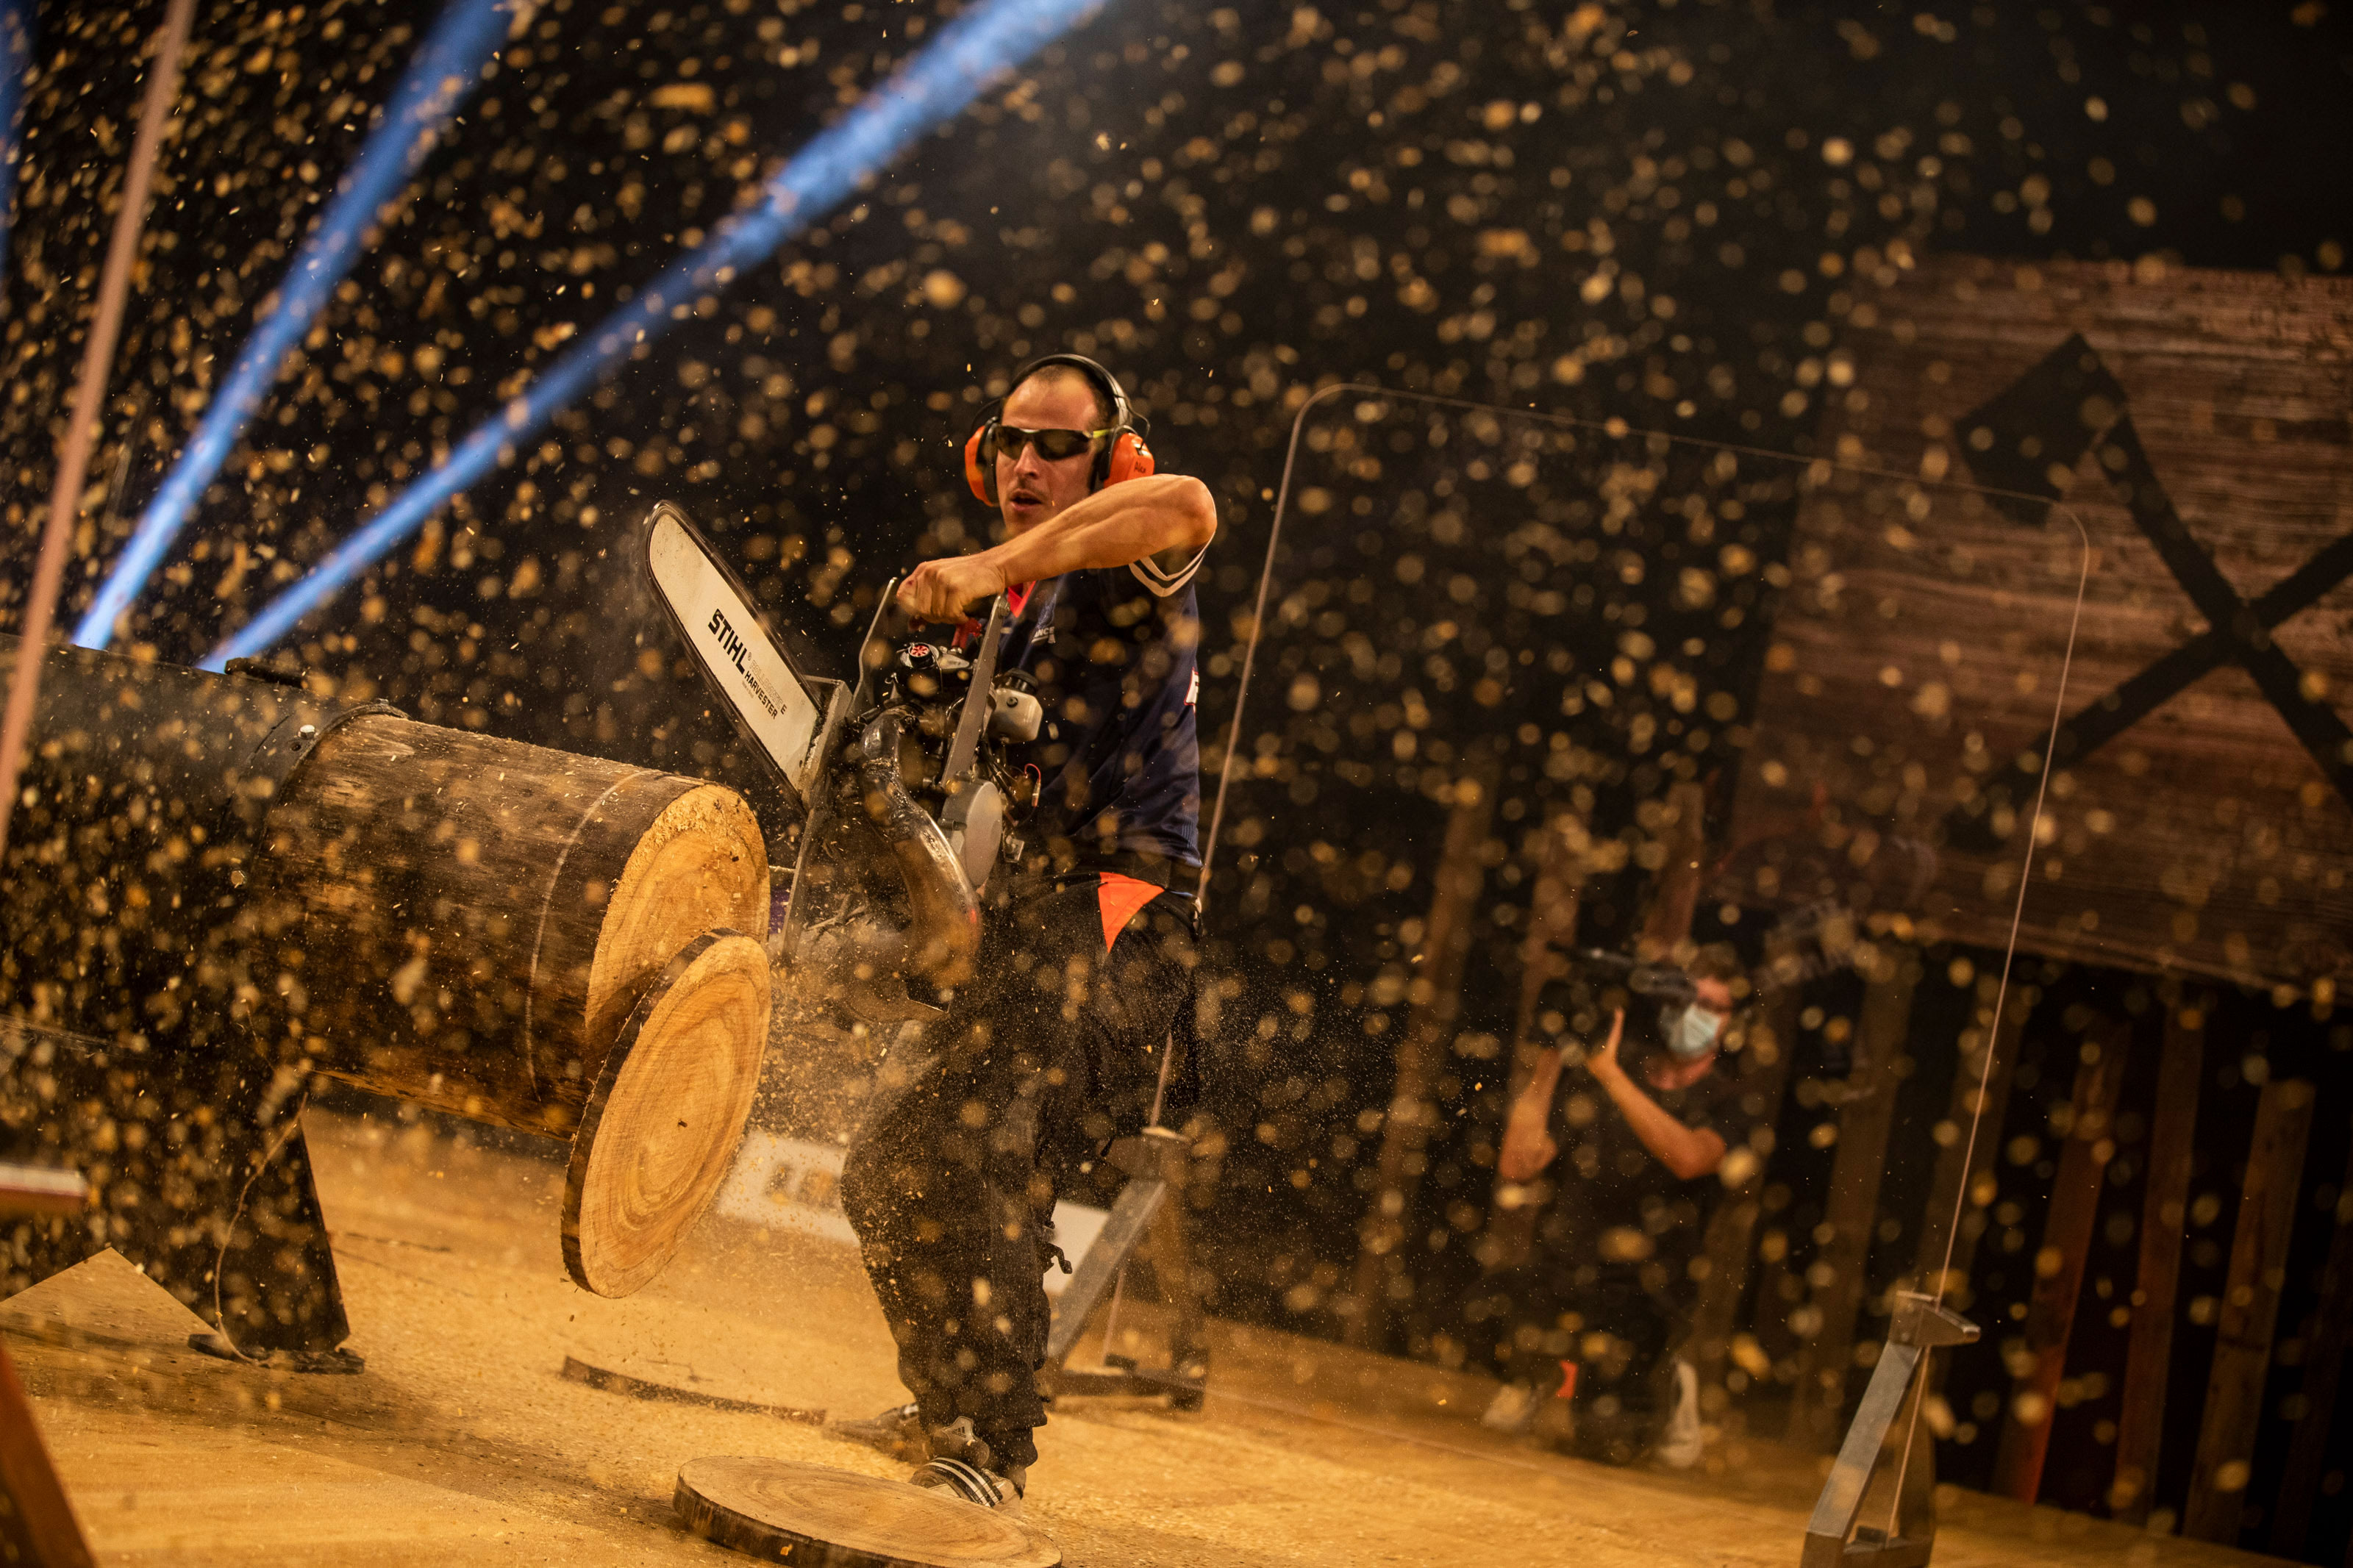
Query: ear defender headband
[1124, 456]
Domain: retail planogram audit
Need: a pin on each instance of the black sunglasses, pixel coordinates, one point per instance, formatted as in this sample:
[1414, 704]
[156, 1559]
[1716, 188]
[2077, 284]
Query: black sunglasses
[1054, 446]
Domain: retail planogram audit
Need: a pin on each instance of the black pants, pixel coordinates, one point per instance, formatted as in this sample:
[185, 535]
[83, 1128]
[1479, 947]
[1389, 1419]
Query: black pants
[1603, 1319]
[1050, 1052]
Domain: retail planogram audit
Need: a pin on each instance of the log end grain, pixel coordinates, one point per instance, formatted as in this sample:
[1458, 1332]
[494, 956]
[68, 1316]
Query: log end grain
[663, 1121]
[783, 1512]
[699, 865]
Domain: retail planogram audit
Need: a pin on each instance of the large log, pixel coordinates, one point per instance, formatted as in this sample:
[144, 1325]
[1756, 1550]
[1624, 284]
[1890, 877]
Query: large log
[223, 886]
[468, 921]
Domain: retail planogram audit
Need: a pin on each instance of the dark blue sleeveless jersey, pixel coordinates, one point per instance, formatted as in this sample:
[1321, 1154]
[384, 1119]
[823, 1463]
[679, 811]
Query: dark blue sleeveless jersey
[1113, 652]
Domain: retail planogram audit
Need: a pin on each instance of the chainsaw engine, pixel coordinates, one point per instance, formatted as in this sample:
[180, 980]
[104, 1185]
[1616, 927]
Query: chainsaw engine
[933, 685]
[885, 911]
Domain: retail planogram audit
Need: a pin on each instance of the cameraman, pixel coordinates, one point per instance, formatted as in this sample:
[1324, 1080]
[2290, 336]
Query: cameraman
[1608, 1290]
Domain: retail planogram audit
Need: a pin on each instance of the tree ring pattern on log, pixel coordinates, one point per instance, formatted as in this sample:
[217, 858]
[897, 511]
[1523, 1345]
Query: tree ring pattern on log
[699, 865]
[808, 1514]
[662, 1123]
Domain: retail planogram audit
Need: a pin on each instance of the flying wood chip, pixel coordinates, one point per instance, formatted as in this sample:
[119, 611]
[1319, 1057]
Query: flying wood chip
[2201, 812]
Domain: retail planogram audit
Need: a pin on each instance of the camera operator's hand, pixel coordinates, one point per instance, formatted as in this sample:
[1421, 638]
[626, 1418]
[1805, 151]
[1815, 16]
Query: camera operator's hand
[941, 590]
[1688, 1152]
[1601, 1060]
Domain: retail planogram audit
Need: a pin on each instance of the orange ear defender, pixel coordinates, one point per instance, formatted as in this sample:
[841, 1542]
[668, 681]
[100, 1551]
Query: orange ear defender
[1124, 457]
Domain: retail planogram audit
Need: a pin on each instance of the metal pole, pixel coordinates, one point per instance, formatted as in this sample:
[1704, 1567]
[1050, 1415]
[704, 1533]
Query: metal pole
[82, 429]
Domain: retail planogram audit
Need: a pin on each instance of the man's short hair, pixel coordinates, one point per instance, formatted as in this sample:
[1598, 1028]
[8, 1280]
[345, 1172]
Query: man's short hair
[1104, 410]
[1716, 961]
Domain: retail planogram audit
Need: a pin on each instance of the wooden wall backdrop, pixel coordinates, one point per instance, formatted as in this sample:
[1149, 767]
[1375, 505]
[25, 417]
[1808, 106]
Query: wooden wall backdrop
[2200, 425]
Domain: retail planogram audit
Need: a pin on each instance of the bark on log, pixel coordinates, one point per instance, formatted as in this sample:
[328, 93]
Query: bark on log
[2149, 1353]
[2251, 1292]
[224, 885]
[466, 921]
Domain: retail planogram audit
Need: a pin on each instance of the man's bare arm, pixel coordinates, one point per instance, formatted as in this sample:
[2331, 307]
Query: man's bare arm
[1168, 518]
[1165, 518]
[1528, 1148]
[1685, 1150]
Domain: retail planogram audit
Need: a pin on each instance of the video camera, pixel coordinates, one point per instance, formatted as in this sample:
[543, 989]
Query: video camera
[1574, 1008]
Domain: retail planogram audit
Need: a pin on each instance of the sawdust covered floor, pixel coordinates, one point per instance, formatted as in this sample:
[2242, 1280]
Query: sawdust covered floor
[460, 1442]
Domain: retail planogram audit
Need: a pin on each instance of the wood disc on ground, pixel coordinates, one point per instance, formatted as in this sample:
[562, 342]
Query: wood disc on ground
[662, 1123]
[611, 1381]
[808, 1514]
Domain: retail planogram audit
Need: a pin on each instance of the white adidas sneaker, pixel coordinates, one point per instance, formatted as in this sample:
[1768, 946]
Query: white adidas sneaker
[962, 1467]
[1681, 1443]
[1512, 1411]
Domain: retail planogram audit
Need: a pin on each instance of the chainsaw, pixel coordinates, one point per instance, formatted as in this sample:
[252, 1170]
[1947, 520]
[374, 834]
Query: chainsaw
[907, 800]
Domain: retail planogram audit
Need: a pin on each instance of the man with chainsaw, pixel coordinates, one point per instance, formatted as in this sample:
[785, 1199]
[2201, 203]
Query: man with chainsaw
[1057, 1044]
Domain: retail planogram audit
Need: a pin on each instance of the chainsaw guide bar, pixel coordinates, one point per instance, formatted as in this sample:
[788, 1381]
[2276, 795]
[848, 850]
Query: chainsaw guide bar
[784, 713]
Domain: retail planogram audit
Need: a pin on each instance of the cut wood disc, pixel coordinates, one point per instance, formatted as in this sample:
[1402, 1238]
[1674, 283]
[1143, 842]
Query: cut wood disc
[808, 1514]
[662, 1123]
[611, 1381]
[699, 866]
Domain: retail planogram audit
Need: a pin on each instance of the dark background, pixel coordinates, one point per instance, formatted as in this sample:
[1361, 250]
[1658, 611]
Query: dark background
[1656, 212]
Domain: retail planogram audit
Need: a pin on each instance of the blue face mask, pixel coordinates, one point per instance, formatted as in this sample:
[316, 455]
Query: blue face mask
[1689, 1033]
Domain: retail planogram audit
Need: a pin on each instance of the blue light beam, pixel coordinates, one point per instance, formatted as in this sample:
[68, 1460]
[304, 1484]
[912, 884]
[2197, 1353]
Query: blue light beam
[15, 60]
[970, 52]
[444, 71]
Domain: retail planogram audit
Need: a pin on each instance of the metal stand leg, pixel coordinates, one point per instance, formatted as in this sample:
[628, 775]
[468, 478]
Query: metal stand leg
[1892, 1401]
[216, 1204]
[1150, 1212]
